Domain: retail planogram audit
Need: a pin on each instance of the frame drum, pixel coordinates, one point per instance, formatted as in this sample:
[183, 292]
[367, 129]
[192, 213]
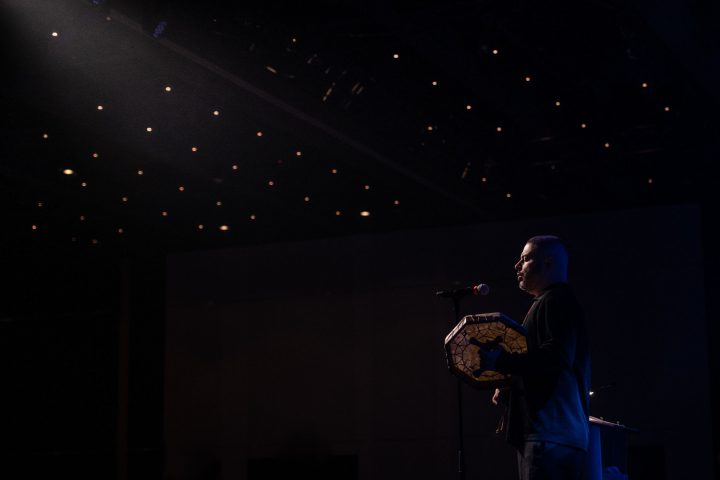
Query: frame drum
[463, 341]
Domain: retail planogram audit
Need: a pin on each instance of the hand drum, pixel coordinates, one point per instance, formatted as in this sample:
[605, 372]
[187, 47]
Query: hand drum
[462, 345]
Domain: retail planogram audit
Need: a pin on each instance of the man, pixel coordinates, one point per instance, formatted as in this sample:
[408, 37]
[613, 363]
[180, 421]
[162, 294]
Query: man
[548, 398]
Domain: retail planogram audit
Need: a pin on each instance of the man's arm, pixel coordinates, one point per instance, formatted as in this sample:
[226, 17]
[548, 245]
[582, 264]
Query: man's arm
[557, 326]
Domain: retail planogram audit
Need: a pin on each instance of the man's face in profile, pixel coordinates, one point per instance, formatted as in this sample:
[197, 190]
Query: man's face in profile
[529, 270]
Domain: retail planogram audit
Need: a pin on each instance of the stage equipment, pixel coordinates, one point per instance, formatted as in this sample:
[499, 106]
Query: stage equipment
[457, 295]
[463, 342]
[480, 289]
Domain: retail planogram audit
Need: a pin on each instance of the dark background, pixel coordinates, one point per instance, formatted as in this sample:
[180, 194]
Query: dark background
[93, 259]
[344, 355]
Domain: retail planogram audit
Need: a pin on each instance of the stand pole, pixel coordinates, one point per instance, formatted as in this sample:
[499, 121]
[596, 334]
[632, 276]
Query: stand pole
[461, 436]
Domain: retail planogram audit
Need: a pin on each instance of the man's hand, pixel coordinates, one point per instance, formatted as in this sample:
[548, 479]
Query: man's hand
[496, 396]
[489, 353]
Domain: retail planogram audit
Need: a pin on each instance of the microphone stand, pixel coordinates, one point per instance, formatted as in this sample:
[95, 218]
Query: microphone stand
[456, 296]
[461, 436]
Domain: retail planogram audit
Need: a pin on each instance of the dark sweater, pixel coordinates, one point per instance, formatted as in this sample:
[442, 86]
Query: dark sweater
[549, 394]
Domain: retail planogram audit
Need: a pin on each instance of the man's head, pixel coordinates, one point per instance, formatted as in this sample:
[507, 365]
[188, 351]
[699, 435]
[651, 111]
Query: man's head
[543, 261]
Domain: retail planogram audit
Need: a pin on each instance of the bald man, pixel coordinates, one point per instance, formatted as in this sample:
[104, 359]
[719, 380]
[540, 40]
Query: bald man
[547, 416]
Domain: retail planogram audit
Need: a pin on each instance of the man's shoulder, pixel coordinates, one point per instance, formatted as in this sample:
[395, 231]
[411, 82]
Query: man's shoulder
[558, 291]
[562, 295]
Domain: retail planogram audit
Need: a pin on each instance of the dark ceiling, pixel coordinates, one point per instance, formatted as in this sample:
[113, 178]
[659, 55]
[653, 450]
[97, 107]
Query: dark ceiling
[288, 120]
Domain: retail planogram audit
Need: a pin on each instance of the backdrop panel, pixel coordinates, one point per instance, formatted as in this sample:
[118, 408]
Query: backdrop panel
[334, 348]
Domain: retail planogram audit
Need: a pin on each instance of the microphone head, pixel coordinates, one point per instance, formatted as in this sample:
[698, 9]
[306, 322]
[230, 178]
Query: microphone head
[481, 289]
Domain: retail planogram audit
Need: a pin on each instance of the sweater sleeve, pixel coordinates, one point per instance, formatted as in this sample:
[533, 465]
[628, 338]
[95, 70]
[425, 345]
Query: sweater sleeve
[556, 341]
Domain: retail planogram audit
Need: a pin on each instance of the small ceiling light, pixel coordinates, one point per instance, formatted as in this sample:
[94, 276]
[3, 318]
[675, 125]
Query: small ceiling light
[194, 149]
[334, 171]
[294, 40]
[124, 199]
[499, 129]
[650, 181]
[216, 113]
[495, 51]
[148, 129]
[667, 109]
[259, 134]
[527, 79]
[434, 83]
[234, 167]
[164, 213]
[298, 153]
[429, 128]
[468, 107]
[201, 227]
[271, 183]
[253, 217]
[224, 228]
[606, 145]
[99, 107]
[168, 88]
[364, 213]
[396, 202]
[95, 155]
[54, 34]
[483, 179]
[307, 199]
[82, 218]
[181, 188]
[508, 195]
[644, 85]
[45, 136]
[40, 204]
[140, 172]
[367, 187]
[396, 56]
[68, 171]
[121, 231]
[34, 227]
[557, 103]
[218, 203]
[83, 184]
[338, 213]
[583, 125]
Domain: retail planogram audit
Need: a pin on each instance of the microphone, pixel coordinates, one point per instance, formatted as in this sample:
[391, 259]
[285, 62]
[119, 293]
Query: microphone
[480, 289]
